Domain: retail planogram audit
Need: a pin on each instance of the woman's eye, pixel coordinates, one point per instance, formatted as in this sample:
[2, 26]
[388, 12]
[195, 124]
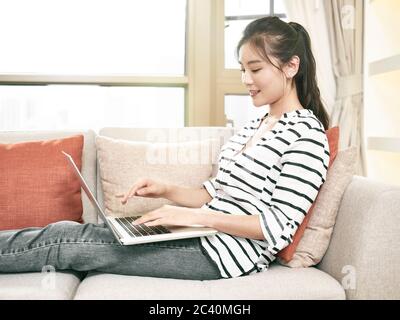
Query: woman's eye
[254, 71]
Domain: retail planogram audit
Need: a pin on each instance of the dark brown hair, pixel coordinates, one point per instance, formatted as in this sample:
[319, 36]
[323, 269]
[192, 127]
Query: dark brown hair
[272, 36]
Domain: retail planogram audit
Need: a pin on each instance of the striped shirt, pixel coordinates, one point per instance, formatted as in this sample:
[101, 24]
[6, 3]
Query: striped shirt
[277, 178]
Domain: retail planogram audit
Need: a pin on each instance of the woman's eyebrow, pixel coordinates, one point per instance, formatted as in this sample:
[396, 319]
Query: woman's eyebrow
[251, 62]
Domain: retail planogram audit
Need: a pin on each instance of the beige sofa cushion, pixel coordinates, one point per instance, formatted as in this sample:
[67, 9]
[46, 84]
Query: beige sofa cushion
[363, 253]
[278, 282]
[60, 285]
[317, 234]
[122, 163]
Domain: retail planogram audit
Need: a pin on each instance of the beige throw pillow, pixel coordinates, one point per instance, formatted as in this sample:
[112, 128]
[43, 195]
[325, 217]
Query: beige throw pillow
[317, 235]
[123, 162]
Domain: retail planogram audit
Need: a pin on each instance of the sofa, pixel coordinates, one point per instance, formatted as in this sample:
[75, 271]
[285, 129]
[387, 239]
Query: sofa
[361, 262]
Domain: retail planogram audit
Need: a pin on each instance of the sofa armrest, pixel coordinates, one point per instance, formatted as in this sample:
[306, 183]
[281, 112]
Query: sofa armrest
[364, 252]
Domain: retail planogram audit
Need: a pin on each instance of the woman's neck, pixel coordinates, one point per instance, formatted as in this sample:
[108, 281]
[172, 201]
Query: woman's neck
[287, 103]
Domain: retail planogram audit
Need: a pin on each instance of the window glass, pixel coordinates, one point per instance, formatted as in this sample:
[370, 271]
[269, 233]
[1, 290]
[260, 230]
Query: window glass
[56, 107]
[279, 7]
[246, 7]
[233, 33]
[89, 37]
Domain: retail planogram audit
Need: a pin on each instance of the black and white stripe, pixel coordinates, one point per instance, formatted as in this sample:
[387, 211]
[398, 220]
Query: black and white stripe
[277, 178]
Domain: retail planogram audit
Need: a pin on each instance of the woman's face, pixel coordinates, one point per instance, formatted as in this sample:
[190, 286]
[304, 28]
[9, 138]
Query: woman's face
[265, 82]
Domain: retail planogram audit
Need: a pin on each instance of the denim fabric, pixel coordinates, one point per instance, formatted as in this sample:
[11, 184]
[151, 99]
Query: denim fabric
[70, 245]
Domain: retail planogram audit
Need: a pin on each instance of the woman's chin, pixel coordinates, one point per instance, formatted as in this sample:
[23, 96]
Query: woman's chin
[259, 104]
[259, 100]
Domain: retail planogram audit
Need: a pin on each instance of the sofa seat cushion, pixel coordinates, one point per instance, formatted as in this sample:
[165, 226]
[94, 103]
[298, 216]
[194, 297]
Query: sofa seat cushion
[278, 282]
[60, 285]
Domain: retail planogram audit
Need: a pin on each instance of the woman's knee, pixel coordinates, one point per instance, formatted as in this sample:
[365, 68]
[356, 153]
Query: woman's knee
[71, 231]
[64, 231]
[62, 228]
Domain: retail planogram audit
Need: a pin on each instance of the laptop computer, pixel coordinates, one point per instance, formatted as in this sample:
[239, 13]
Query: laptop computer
[127, 233]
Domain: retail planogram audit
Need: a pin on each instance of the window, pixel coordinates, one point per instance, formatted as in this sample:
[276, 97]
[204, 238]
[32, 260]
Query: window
[118, 55]
[78, 64]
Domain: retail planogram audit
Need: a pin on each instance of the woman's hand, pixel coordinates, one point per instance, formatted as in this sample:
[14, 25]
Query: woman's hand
[171, 215]
[245, 226]
[145, 188]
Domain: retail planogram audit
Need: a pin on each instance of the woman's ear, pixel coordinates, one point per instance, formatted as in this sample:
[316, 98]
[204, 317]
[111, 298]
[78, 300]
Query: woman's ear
[292, 67]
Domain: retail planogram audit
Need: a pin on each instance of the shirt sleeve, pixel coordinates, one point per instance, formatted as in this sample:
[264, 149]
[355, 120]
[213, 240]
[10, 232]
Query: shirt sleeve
[303, 171]
[211, 185]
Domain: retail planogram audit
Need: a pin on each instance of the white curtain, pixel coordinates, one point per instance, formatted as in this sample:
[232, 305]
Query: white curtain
[344, 19]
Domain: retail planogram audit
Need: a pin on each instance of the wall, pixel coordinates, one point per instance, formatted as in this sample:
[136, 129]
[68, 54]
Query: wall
[382, 87]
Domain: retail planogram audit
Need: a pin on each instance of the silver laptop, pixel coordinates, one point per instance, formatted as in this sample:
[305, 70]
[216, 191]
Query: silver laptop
[127, 233]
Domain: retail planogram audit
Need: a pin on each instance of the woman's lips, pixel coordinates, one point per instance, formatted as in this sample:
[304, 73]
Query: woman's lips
[253, 93]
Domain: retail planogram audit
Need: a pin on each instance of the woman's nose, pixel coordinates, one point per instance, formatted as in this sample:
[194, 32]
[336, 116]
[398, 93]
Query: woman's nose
[246, 78]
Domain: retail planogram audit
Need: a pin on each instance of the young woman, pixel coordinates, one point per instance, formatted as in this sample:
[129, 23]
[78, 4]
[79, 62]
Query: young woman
[269, 175]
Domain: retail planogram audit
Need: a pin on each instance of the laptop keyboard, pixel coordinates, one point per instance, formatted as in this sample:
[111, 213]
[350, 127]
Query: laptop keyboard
[140, 230]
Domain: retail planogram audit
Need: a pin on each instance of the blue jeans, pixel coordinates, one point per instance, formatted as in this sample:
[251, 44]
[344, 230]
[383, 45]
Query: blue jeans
[70, 245]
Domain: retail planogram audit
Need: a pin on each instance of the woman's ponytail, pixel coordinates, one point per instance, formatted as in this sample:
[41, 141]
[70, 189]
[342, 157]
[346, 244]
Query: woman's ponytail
[306, 80]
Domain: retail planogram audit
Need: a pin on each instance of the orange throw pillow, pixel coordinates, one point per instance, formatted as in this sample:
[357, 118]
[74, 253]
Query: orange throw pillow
[287, 253]
[37, 186]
